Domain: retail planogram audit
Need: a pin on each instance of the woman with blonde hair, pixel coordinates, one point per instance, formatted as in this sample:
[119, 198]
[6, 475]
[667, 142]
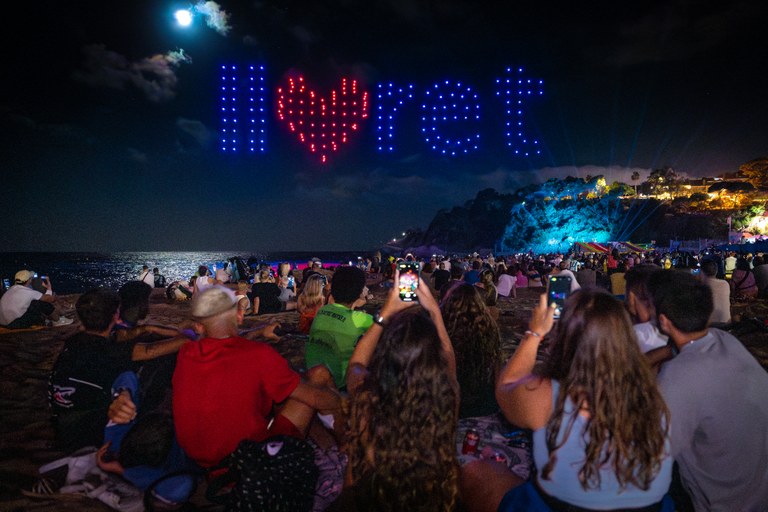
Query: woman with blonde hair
[310, 301]
[402, 426]
[600, 425]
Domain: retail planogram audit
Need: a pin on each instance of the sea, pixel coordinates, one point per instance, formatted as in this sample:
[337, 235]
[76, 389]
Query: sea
[77, 272]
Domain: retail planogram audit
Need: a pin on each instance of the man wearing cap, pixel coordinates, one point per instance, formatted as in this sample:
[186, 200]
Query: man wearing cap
[22, 306]
[226, 388]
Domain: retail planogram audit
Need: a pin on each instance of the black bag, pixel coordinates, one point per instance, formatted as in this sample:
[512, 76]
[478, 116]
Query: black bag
[278, 474]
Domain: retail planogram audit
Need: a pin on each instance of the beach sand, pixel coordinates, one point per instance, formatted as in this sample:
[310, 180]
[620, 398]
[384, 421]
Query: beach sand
[26, 358]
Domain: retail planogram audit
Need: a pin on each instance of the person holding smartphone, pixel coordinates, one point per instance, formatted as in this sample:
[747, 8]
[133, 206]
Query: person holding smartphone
[22, 307]
[601, 436]
[403, 411]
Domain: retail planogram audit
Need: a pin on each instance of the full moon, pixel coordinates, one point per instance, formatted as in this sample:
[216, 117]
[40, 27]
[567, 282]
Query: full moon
[183, 17]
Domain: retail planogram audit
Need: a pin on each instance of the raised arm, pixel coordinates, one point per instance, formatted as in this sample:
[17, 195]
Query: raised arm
[361, 357]
[526, 400]
[428, 302]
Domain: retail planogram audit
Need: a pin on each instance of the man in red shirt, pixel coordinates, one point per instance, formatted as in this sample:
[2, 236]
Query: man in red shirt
[227, 388]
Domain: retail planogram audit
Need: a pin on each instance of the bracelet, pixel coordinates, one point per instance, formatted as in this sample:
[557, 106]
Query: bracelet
[532, 333]
[378, 319]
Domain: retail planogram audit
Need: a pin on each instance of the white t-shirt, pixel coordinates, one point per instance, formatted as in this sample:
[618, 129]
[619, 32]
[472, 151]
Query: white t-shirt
[721, 299]
[574, 283]
[15, 302]
[649, 337]
[506, 283]
[203, 282]
[148, 277]
[222, 275]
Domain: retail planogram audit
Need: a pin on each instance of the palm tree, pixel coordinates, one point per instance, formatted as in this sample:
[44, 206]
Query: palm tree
[635, 177]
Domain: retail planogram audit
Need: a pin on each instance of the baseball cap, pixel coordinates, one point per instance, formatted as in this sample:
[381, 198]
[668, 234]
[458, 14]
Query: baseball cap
[212, 301]
[22, 276]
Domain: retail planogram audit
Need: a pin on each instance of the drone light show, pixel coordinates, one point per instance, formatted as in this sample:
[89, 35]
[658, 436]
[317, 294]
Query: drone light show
[322, 123]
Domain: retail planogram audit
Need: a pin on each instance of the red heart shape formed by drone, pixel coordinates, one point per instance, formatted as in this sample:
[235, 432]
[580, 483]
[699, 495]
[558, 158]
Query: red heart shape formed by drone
[322, 125]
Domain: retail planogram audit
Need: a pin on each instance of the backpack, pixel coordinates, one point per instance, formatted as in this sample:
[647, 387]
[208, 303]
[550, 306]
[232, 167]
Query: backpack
[278, 474]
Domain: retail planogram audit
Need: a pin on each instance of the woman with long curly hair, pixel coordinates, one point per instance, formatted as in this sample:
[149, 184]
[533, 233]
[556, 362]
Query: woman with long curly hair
[310, 301]
[403, 414]
[477, 343]
[600, 435]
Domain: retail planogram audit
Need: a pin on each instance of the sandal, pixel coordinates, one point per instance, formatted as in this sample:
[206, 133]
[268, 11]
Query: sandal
[47, 488]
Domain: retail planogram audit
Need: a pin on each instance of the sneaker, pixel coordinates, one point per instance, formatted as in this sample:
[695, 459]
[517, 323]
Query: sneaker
[62, 321]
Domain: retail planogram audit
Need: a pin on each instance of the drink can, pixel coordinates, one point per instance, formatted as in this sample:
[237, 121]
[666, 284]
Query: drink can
[471, 440]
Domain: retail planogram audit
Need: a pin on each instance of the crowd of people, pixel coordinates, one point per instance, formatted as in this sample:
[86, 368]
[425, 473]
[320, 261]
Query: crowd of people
[642, 400]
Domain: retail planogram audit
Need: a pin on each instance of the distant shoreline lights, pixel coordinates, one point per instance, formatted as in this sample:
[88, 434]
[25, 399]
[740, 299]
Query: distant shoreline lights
[449, 113]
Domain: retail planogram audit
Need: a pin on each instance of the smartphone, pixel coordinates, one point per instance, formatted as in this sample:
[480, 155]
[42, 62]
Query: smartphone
[558, 289]
[325, 280]
[291, 282]
[409, 280]
[696, 271]
[7, 283]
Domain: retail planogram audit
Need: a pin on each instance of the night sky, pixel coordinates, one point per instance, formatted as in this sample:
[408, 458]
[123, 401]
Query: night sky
[110, 144]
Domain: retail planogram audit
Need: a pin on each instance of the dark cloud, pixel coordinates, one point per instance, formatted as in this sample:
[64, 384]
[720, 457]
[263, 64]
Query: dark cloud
[155, 76]
[197, 130]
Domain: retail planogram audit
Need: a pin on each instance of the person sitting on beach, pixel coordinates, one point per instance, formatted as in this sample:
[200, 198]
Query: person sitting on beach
[159, 278]
[639, 303]
[223, 274]
[721, 294]
[506, 280]
[403, 403]
[314, 265]
[243, 301]
[715, 390]
[457, 275]
[265, 295]
[476, 341]
[286, 282]
[564, 269]
[147, 276]
[203, 279]
[134, 307]
[82, 376]
[440, 276]
[743, 283]
[488, 292]
[472, 276]
[180, 290]
[600, 425]
[310, 301]
[244, 382]
[22, 307]
[337, 326]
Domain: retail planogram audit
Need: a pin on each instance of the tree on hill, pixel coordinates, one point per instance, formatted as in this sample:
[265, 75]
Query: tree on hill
[756, 171]
[663, 180]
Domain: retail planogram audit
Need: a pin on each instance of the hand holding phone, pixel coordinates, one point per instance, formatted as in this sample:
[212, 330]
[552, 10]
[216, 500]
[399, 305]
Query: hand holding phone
[408, 280]
[558, 289]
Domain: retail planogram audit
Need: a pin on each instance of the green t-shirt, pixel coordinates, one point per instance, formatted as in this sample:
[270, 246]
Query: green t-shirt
[333, 336]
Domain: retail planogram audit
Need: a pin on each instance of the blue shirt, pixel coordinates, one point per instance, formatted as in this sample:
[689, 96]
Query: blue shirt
[564, 483]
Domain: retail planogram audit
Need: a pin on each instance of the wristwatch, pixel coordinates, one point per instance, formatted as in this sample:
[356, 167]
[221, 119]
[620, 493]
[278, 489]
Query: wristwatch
[378, 319]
